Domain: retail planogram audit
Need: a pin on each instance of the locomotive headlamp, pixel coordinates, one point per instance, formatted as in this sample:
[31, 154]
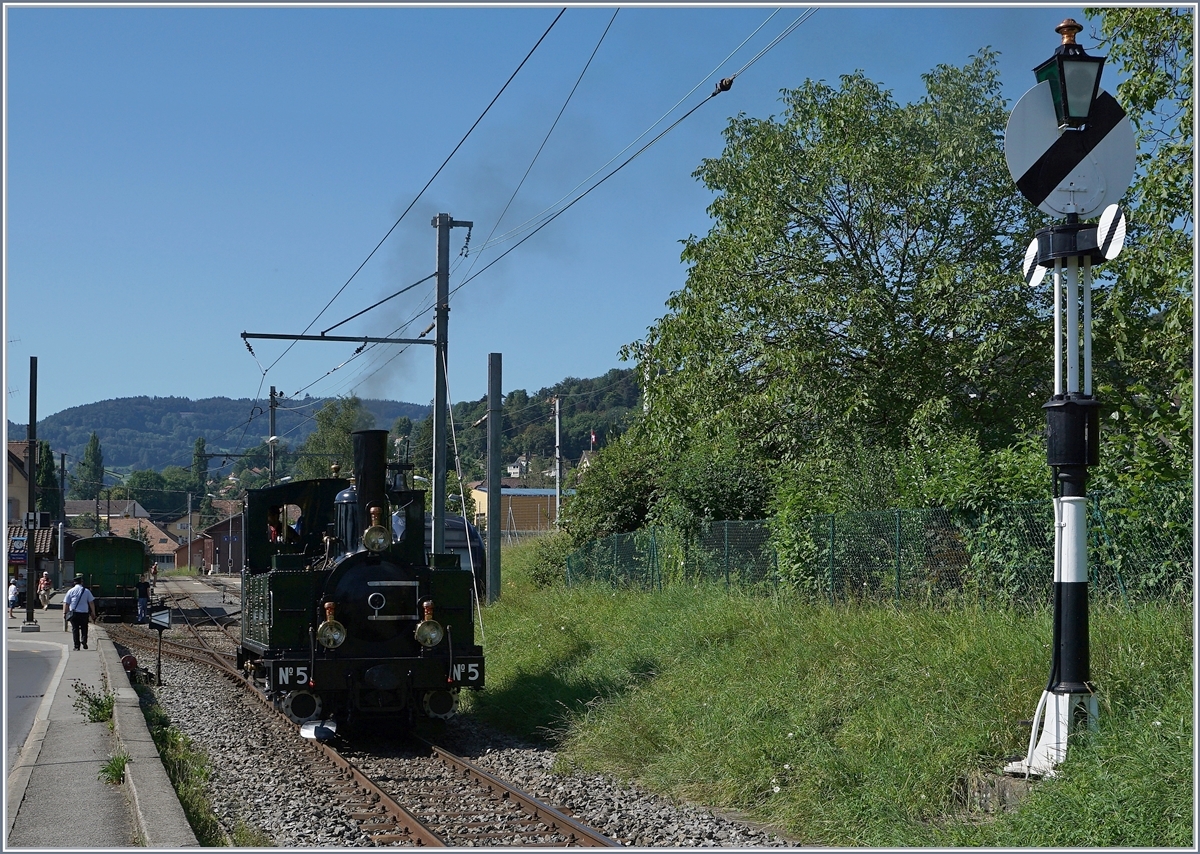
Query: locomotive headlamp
[331, 634]
[377, 537]
[429, 631]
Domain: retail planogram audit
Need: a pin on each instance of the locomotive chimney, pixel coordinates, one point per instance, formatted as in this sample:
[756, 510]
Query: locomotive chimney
[370, 470]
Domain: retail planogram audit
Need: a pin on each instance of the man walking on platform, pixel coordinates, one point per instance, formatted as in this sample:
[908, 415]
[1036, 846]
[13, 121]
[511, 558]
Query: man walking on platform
[78, 605]
[143, 597]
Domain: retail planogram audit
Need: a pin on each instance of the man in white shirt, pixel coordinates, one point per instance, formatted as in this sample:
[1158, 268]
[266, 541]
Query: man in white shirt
[78, 604]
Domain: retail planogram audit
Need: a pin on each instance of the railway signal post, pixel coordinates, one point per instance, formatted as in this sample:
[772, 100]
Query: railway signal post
[161, 621]
[1070, 149]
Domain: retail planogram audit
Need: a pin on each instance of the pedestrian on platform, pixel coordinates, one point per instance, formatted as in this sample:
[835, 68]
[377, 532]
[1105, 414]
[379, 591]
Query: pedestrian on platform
[14, 596]
[45, 590]
[78, 605]
[143, 597]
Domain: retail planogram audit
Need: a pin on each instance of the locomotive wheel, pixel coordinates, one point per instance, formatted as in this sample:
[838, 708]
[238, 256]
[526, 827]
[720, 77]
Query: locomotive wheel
[301, 706]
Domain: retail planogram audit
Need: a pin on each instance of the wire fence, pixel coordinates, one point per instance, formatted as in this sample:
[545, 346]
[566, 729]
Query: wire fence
[1139, 548]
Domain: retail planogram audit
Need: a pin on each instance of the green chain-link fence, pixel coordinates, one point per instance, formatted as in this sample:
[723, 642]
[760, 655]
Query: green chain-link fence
[1140, 547]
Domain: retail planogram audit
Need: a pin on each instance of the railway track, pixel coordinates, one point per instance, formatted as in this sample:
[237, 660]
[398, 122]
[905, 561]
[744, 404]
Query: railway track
[407, 792]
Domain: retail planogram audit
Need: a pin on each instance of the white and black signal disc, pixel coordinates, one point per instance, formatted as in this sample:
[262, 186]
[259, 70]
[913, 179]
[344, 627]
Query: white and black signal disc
[1069, 171]
[1034, 272]
[1110, 234]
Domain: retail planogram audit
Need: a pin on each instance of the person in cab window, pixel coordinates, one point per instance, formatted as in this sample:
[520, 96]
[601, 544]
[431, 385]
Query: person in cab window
[278, 532]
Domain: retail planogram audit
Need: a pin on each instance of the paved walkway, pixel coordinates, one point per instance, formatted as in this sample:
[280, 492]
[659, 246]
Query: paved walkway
[55, 796]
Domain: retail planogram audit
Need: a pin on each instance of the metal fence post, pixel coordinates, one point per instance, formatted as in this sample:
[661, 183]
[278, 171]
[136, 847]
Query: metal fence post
[726, 526]
[898, 557]
[831, 544]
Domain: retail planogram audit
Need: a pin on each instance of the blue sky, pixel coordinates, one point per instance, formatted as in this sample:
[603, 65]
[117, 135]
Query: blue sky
[176, 176]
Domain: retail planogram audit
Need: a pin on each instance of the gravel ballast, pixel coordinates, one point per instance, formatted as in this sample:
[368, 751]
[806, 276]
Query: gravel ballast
[257, 777]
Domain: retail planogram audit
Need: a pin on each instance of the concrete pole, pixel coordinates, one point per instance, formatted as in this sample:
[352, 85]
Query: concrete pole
[443, 223]
[189, 532]
[495, 420]
[30, 538]
[271, 442]
[558, 467]
[442, 311]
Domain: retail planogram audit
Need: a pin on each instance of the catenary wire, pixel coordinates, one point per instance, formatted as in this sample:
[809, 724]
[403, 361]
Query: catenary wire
[529, 222]
[423, 189]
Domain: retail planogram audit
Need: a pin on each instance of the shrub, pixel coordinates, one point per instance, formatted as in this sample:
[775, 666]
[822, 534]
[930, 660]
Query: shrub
[549, 564]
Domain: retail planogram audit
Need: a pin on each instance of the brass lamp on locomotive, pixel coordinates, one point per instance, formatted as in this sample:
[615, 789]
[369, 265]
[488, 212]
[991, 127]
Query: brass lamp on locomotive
[344, 615]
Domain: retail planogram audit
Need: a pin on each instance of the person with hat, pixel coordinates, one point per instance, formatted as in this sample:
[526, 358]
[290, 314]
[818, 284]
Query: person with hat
[45, 589]
[14, 596]
[78, 605]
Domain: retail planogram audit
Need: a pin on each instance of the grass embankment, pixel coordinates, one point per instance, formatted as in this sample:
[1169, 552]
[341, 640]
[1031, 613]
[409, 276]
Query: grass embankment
[846, 725]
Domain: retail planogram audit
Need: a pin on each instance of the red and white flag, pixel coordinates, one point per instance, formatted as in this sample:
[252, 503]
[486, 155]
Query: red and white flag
[593, 440]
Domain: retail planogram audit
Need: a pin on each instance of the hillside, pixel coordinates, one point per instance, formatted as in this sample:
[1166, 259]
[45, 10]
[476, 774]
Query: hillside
[155, 432]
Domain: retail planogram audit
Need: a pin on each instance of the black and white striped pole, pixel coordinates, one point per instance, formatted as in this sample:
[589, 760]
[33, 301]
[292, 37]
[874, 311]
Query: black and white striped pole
[1070, 149]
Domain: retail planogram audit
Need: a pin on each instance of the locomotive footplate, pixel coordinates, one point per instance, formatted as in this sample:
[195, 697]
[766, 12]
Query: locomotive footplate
[385, 674]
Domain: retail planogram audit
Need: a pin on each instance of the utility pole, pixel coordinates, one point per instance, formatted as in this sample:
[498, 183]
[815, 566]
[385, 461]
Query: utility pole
[270, 443]
[443, 223]
[189, 532]
[558, 468]
[30, 624]
[495, 420]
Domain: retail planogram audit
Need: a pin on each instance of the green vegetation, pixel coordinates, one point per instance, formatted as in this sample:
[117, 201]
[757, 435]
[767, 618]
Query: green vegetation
[113, 771]
[96, 705]
[853, 334]
[188, 770]
[846, 725]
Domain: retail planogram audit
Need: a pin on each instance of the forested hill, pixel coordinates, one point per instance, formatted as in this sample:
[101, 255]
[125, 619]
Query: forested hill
[155, 432]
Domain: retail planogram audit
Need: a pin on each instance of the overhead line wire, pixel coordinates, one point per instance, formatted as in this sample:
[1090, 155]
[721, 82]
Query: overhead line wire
[723, 86]
[546, 139]
[423, 189]
[518, 229]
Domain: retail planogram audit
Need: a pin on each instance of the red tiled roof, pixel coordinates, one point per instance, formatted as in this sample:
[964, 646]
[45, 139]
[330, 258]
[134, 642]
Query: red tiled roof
[43, 539]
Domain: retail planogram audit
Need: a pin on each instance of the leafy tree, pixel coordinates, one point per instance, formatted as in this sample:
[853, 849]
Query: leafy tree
[89, 522]
[616, 493]
[49, 496]
[88, 478]
[336, 420]
[853, 272]
[403, 426]
[177, 483]
[1144, 317]
[711, 479]
[147, 487]
[199, 484]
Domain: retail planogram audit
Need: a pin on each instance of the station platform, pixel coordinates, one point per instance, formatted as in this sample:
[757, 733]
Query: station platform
[54, 794]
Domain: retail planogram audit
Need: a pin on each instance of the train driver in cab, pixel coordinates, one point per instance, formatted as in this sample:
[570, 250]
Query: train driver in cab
[278, 532]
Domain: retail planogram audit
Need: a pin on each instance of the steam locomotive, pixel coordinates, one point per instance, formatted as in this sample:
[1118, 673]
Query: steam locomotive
[345, 617]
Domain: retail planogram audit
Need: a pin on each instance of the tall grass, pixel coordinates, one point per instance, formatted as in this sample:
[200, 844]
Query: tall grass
[846, 725]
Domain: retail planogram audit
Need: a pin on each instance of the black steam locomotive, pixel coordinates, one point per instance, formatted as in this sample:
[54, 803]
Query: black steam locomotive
[344, 615]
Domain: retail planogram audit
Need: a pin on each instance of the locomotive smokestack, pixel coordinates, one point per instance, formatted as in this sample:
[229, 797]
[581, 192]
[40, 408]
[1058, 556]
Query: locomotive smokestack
[370, 471]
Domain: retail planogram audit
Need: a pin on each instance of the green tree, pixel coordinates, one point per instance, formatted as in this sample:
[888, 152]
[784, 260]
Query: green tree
[49, 496]
[199, 468]
[148, 488]
[860, 264]
[88, 478]
[617, 492]
[336, 420]
[402, 427]
[177, 483]
[1144, 316]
